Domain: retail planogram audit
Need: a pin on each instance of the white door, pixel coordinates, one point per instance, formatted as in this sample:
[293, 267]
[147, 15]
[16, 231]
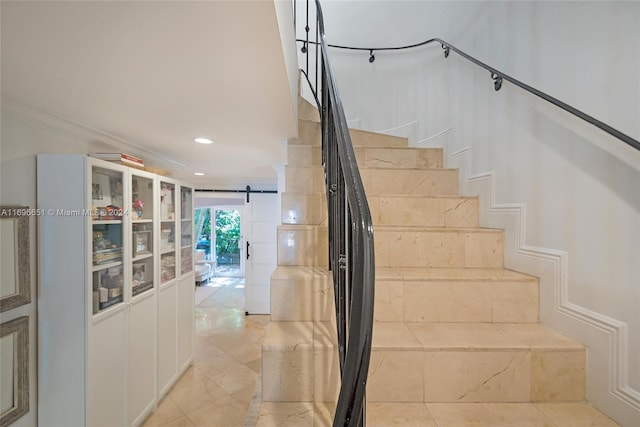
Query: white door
[260, 250]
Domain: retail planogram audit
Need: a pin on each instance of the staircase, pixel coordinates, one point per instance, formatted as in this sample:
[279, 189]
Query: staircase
[456, 339]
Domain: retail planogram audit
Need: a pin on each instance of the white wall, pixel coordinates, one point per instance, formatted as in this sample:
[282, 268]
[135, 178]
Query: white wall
[284, 15]
[567, 194]
[19, 143]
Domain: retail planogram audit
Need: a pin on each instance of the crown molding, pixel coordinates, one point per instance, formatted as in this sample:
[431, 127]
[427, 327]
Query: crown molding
[81, 132]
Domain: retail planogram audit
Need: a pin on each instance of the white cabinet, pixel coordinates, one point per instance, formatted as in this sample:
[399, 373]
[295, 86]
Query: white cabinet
[115, 300]
[186, 284]
[176, 323]
[142, 348]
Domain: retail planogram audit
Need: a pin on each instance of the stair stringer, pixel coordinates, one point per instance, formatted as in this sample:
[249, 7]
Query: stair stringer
[605, 338]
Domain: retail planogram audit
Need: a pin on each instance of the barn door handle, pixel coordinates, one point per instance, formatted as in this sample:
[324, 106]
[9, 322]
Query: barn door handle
[248, 249]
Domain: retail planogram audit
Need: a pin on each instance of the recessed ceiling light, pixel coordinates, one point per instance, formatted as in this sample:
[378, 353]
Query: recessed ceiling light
[198, 173]
[203, 141]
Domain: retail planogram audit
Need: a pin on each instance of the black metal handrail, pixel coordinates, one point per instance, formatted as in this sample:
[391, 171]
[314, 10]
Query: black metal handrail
[498, 77]
[351, 249]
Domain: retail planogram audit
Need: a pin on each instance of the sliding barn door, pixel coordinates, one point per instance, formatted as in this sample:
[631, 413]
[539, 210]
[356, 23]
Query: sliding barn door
[260, 251]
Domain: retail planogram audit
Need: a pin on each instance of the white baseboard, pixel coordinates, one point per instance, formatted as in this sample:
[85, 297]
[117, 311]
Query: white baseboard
[606, 338]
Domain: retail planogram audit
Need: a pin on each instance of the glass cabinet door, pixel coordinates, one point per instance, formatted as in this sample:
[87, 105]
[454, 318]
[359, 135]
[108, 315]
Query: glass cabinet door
[167, 232]
[107, 235]
[186, 232]
[142, 265]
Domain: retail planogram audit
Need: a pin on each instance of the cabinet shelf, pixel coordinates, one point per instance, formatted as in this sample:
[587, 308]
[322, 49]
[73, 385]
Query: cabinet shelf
[142, 256]
[142, 221]
[106, 265]
[106, 221]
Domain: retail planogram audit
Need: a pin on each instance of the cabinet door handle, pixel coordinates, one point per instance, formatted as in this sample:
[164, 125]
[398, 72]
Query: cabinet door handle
[248, 249]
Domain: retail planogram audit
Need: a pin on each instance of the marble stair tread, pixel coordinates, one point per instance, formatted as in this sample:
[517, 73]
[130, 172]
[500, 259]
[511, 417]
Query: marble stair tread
[384, 158]
[436, 197]
[399, 157]
[295, 227]
[416, 182]
[494, 414]
[300, 336]
[406, 170]
[413, 414]
[427, 229]
[451, 274]
[310, 179]
[308, 111]
[299, 272]
[310, 134]
[400, 336]
[364, 138]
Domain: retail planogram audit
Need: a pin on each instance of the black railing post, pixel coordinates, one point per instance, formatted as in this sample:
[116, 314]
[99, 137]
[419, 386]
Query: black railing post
[351, 255]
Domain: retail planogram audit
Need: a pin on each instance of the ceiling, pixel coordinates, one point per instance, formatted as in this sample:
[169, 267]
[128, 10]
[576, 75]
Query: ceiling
[148, 77]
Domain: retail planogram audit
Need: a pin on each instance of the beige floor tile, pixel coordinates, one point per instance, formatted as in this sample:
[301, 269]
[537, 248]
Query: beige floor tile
[166, 413]
[487, 415]
[575, 415]
[290, 414]
[180, 422]
[399, 414]
[231, 415]
[235, 379]
[219, 388]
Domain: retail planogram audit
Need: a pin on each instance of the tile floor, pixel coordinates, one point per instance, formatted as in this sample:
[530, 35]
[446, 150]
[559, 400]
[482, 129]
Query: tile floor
[221, 387]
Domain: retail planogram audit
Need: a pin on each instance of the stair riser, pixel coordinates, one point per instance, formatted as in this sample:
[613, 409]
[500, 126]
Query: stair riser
[476, 376]
[439, 248]
[304, 155]
[303, 246]
[442, 376]
[309, 209]
[310, 134]
[304, 180]
[385, 158]
[307, 111]
[410, 182]
[389, 182]
[300, 362]
[300, 376]
[417, 301]
[424, 211]
[302, 299]
[399, 158]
